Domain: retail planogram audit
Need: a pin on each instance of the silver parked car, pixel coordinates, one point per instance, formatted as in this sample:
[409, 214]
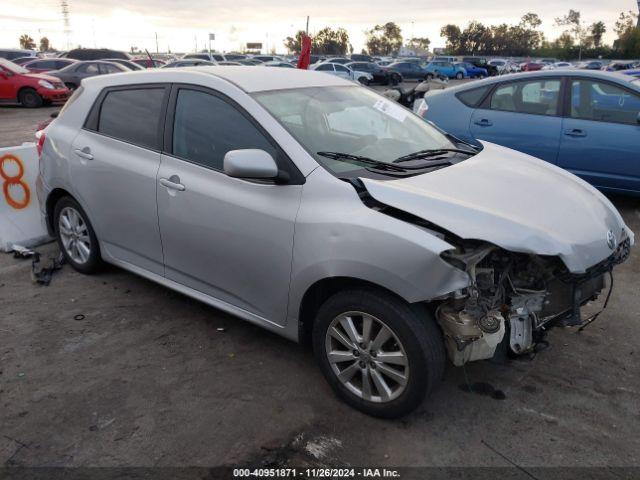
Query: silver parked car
[328, 214]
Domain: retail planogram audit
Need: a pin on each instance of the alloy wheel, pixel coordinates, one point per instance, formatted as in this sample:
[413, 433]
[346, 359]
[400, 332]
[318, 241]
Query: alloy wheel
[74, 234]
[367, 357]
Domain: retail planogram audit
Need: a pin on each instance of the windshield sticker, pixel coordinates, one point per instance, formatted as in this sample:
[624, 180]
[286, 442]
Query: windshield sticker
[394, 111]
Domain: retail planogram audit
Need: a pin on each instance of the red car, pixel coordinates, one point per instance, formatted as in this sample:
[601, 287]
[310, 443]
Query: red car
[42, 65]
[29, 89]
[532, 67]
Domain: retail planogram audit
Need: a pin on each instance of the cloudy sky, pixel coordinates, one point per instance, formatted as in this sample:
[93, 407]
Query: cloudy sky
[183, 24]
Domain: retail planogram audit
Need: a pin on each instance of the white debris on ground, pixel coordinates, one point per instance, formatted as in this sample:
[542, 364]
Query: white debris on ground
[321, 447]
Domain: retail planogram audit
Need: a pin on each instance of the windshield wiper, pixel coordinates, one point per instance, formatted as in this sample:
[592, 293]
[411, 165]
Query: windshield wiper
[347, 157]
[423, 154]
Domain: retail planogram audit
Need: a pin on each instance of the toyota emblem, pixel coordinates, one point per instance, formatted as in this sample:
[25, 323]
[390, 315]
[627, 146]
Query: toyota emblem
[611, 240]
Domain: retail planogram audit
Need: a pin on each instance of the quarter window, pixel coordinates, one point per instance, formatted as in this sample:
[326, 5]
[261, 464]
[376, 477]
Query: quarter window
[471, 98]
[132, 116]
[604, 102]
[206, 127]
[539, 97]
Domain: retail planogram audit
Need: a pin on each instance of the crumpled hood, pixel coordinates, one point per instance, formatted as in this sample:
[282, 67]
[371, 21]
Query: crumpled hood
[514, 201]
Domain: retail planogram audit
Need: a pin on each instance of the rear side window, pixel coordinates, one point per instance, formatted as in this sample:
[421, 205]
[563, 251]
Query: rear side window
[133, 116]
[473, 97]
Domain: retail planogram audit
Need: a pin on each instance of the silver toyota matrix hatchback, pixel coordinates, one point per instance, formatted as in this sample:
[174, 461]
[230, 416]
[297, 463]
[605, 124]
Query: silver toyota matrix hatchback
[326, 213]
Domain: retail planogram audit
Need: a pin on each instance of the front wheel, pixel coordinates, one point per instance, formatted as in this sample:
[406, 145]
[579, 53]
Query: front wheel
[395, 79]
[380, 355]
[76, 236]
[428, 76]
[459, 75]
[29, 98]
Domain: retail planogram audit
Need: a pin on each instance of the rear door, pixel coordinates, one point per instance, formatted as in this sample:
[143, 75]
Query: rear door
[601, 134]
[229, 238]
[523, 115]
[114, 162]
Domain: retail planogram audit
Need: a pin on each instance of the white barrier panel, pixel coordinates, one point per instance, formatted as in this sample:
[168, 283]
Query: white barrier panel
[20, 222]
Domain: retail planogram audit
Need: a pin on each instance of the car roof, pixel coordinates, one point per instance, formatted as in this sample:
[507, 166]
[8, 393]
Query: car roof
[599, 74]
[249, 79]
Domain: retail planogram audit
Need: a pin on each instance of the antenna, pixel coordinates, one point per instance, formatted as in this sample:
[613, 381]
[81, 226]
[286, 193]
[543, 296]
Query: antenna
[64, 8]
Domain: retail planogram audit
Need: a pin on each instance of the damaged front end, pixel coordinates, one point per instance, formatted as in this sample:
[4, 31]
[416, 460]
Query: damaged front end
[513, 298]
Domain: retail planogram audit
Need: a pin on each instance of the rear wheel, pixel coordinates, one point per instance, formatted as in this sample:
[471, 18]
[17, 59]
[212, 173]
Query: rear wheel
[76, 237]
[29, 98]
[364, 80]
[379, 354]
[429, 76]
[395, 79]
[459, 75]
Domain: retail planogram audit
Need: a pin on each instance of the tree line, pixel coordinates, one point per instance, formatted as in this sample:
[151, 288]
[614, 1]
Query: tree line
[578, 40]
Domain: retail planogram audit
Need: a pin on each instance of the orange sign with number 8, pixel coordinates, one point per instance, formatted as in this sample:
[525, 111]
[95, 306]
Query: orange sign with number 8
[14, 180]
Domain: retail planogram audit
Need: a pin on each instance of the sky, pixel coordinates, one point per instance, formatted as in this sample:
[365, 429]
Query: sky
[183, 25]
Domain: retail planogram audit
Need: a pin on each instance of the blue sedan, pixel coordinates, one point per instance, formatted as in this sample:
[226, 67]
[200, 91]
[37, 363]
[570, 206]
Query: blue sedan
[472, 70]
[447, 69]
[587, 122]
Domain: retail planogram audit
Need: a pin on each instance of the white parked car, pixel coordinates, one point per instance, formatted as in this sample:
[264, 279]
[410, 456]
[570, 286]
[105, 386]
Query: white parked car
[329, 214]
[343, 71]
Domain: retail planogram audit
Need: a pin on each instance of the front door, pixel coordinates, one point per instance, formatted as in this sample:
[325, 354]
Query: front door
[229, 238]
[523, 115]
[601, 135]
[114, 162]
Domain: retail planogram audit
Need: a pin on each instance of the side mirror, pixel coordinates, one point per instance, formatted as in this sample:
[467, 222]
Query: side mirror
[250, 163]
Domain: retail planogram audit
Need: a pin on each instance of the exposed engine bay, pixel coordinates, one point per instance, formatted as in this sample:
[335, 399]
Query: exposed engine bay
[513, 298]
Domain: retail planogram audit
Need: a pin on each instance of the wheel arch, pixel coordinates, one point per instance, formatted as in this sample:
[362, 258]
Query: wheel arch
[52, 199]
[320, 291]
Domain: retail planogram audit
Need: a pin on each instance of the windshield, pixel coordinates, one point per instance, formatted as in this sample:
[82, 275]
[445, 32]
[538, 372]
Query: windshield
[14, 67]
[350, 120]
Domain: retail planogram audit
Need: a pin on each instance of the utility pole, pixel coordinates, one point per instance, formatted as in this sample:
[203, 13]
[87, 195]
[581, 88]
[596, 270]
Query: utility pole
[157, 48]
[307, 29]
[638, 24]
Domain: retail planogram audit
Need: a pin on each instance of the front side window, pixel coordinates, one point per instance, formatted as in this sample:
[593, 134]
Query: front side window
[603, 102]
[539, 97]
[132, 116]
[350, 120]
[109, 68]
[206, 127]
[91, 68]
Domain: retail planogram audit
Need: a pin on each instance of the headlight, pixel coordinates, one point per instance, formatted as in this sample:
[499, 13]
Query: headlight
[45, 84]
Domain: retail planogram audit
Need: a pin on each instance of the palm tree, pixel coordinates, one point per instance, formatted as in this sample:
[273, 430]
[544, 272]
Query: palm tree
[27, 42]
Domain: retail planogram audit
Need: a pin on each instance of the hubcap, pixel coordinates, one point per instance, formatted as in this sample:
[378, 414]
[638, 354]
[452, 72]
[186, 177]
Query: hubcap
[74, 235]
[367, 357]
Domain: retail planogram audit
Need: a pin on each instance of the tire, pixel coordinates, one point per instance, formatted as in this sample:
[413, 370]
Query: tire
[364, 81]
[414, 336]
[29, 98]
[71, 86]
[459, 75]
[77, 257]
[395, 79]
[429, 76]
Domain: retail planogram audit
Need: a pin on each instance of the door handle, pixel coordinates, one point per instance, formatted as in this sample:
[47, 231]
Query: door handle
[84, 153]
[484, 122]
[172, 183]
[575, 132]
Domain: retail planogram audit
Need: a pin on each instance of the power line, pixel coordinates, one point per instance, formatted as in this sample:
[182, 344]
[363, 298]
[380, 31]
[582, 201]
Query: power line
[64, 8]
